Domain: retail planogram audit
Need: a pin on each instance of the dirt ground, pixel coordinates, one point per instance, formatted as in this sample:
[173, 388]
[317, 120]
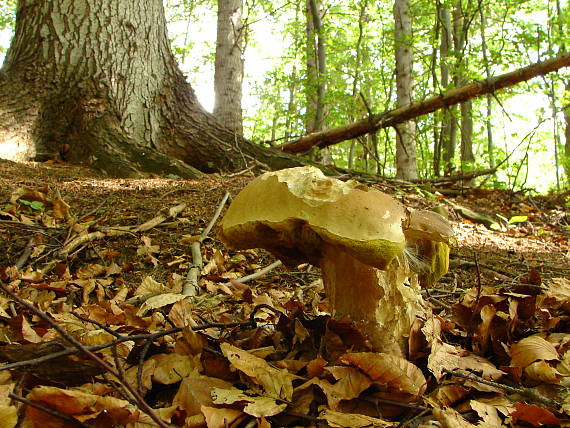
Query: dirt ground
[539, 244]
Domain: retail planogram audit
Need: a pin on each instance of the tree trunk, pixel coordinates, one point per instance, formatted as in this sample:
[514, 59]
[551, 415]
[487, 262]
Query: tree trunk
[460, 70]
[95, 81]
[406, 167]
[486, 63]
[567, 136]
[228, 76]
[316, 68]
[448, 140]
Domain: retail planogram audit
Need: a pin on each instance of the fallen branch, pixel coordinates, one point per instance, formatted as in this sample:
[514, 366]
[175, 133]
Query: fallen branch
[257, 274]
[191, 283]
[394, 117]
[529, 393]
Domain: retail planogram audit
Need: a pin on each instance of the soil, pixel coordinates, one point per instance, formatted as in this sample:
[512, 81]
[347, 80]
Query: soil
[481, 255]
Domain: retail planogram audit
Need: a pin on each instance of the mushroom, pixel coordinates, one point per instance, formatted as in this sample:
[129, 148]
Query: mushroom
[356, 235]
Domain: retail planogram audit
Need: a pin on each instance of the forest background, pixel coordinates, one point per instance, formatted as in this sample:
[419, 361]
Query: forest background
[524, 130]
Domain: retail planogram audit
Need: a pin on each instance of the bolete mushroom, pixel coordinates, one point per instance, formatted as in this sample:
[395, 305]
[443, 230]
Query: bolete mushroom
[356, 235]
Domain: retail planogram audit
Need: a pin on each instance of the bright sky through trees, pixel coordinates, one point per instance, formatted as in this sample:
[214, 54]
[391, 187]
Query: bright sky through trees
[521, 122]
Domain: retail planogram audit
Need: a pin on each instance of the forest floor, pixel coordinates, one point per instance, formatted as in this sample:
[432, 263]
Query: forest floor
[127, 280]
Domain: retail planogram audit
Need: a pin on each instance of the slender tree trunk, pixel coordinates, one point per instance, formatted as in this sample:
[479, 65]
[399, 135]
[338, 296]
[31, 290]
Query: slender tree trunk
[567, 136]
[316, 75]
[449, 128]
[228, 76]
[437, 125]
[95, 81]
[406, 166]
[459, 41]
[486, 64]
[356, 78]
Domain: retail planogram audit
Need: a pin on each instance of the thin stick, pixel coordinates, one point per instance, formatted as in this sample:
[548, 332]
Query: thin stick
[191, 283]
[257, 274]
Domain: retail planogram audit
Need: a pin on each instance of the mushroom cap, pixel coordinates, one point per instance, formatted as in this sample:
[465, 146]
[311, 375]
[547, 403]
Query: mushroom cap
[292, 212]
[424, 224]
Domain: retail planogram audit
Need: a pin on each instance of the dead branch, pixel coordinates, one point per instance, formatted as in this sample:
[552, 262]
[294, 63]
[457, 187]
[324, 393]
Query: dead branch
[191, 283]
[530, 393]
[458, 177]
[394, 117]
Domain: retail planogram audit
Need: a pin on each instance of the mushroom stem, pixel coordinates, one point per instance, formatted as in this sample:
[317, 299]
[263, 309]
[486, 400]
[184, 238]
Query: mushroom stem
[351, 286]
[378, 301]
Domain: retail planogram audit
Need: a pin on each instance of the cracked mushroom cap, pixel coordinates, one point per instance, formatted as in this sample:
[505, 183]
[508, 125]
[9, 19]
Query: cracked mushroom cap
[293, 211]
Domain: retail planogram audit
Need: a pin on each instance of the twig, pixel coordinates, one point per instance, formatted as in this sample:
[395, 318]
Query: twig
[526, 392]
[191, 283]
[49, 411]
[257, 274]
[172, 213]
[26, 253]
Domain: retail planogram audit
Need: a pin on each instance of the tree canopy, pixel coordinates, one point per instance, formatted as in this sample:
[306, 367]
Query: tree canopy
[523, 130]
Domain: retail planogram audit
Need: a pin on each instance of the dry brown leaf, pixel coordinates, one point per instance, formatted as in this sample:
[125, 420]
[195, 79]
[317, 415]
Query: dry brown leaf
[488, 413]
[255, 405]
[217, 418]
[558, 294]
[80, 405]
[91, 271]
[159, 301]
[543, 372]
[350, 383]
[338, 419]
[277, 383]
[450, 418]
[534, 415]
[446, 358]
[396, 373]
[172, 368]
[150, 286]
[447, 395]
[8, 416]
[531, 349]
[195, 391]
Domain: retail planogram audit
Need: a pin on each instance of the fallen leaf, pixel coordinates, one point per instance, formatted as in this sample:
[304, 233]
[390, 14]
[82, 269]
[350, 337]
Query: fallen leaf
[531, 349]
[277, 383]
[395, 372]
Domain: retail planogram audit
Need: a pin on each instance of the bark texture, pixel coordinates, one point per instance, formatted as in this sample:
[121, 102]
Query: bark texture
[406, 167]
[228, 77]
[95, 82]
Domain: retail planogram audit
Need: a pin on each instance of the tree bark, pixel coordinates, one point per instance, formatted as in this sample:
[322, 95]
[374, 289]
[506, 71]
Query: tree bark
[460, 33]
[486, 64]
[400, 115]
[567, 135]
[448, 137]
[406, 167]
[95, 82]
[228, 76]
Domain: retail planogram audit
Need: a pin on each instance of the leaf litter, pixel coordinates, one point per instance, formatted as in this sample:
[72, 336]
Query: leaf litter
[106, 263]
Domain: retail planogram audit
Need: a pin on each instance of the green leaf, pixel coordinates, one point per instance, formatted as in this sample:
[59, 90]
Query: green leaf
[518, 219]
[35, 205]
